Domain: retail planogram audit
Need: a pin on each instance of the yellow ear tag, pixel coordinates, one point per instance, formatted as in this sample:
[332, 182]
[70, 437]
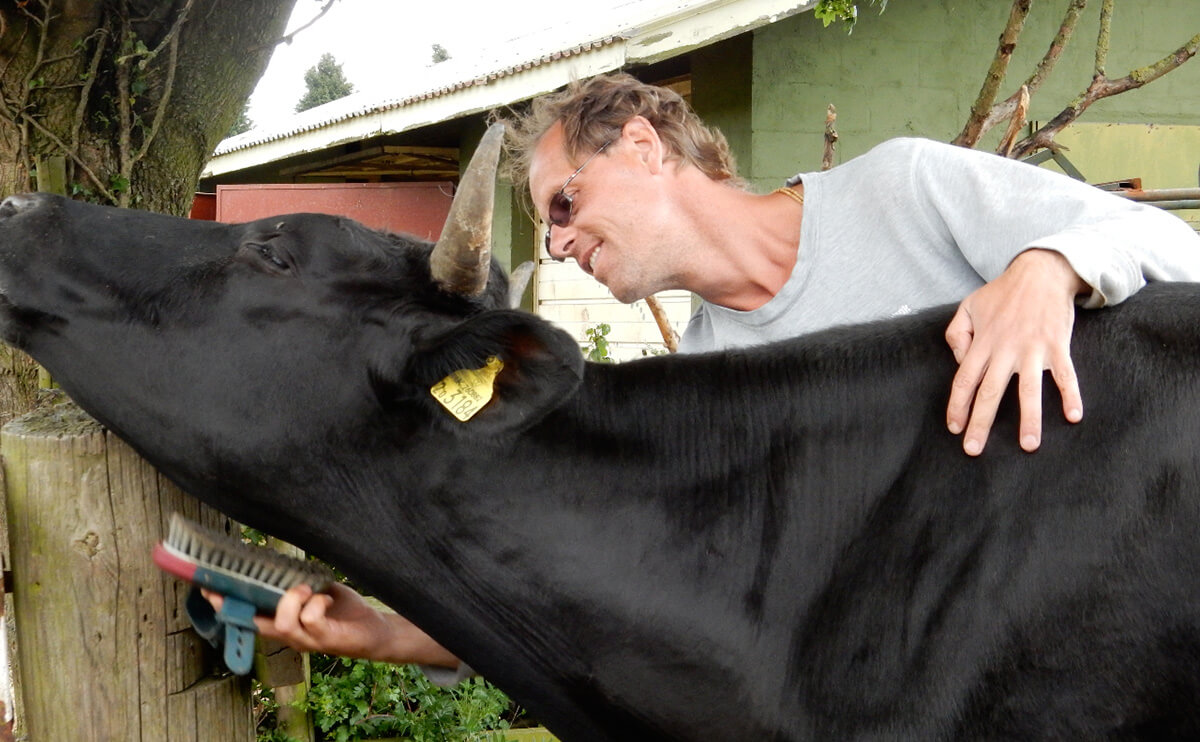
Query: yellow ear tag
[465, 392]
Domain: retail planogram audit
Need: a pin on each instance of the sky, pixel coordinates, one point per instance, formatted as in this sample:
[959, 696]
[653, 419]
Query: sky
[379, 41]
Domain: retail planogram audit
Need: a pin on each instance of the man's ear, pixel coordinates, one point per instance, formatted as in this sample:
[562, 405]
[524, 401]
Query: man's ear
[541, 365]
[646, 141]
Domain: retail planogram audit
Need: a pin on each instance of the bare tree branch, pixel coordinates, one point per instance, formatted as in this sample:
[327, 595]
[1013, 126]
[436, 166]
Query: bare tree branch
[1104, 37]
[101, 38]
[995, 74]
[74, 157]
[287, 38]
[171, 36]
[125, 112]
[831, 137]
[1100, 88]
[1005, 109]
[164, 100]
[670, 339]
[1016, 122]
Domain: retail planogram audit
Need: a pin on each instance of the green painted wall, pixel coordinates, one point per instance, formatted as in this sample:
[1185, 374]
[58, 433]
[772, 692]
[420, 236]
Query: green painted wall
[722, 92]
[916, 69]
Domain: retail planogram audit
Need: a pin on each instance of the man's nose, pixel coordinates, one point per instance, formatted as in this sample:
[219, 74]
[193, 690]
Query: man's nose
[558, 243]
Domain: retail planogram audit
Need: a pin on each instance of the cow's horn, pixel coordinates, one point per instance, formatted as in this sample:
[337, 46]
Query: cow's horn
[461, 259]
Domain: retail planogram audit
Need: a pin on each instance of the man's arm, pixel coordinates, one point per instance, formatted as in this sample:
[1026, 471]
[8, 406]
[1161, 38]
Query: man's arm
[341, 622]
[1041, 240]
[1019, 324]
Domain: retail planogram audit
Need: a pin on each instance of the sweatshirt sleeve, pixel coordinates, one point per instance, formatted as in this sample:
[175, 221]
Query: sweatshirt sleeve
[995, 208]
[445, 677]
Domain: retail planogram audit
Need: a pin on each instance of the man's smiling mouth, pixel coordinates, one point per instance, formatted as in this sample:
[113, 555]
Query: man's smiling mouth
[590, 258]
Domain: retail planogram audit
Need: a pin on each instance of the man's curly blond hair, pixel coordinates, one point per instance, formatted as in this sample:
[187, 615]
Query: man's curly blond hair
[593, 111]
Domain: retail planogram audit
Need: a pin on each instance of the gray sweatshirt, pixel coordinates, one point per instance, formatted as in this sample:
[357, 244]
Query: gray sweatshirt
[914, 223]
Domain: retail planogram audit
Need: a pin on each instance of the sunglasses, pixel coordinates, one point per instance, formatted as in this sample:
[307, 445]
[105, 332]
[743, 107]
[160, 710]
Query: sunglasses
[561, 203]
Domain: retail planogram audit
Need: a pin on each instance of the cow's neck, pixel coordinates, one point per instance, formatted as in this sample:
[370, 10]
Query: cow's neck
[631, 511]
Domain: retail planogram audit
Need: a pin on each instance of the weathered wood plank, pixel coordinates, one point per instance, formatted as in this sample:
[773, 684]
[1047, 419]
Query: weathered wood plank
[134, 496]
[96, 622]
[181, 716]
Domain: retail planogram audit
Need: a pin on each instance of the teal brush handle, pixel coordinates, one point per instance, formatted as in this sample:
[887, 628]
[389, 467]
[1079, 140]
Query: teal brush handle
[238, 617]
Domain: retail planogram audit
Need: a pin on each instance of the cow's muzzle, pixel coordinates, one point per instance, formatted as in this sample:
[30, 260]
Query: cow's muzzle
[19, 203]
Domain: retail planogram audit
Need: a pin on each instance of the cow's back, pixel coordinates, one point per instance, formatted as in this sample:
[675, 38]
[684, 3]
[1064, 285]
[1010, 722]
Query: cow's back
[1032, 596]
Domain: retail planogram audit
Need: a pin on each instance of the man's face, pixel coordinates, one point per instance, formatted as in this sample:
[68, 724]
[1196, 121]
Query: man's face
[611, 200]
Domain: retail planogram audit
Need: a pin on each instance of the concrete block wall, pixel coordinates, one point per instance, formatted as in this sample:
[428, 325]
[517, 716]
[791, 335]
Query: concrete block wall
[915, 70]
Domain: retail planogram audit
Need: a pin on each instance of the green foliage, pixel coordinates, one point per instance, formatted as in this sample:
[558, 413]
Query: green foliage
[597, 349]
[253, 536]
[361, 700]
[243, 123]
[597, 343]
[845, 11]
[265, 715]
[80, 193]
[325, 83]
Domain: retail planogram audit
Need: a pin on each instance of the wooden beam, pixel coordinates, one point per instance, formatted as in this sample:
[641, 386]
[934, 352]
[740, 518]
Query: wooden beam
[441, 161]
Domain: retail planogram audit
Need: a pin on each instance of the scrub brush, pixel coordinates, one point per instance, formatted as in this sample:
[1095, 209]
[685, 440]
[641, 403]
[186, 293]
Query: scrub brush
[252, 579]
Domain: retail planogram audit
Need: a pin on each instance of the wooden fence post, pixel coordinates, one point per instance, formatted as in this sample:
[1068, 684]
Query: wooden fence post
[105, 648]
[286, 671]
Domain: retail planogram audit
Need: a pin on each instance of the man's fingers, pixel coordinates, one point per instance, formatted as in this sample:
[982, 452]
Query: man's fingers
[984, 403]
[959, 333]
[287, 612]
[1029, 394]
[962, 391]
[314, 616]
[983, 411]
[1068, 386]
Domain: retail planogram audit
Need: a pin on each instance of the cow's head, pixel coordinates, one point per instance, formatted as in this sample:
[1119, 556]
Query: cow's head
[232, 355]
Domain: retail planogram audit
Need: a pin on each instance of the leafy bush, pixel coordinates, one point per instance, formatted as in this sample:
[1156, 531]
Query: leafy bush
[362, 700]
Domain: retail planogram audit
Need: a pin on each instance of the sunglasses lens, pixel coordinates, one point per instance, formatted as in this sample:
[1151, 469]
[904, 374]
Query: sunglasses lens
[560, 209]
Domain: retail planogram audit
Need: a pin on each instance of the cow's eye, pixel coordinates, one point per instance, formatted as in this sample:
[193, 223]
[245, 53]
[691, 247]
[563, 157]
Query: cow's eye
[267, 256]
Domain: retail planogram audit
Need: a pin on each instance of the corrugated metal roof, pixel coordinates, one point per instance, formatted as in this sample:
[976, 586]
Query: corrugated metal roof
[361, 104]
[644, 31]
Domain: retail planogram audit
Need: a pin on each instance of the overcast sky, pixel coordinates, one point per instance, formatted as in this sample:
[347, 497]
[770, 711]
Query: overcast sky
[377, 41]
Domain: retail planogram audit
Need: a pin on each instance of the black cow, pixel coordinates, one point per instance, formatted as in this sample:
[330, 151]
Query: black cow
[780, 543]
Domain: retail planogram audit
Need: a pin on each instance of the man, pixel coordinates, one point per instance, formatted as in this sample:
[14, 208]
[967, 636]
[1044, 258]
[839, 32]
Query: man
[645, 198]
[660, 208]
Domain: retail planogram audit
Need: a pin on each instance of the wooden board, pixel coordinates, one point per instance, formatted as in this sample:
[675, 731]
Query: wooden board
[101, 632]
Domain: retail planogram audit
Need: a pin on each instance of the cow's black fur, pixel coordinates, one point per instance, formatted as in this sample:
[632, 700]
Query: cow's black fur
[780, 543]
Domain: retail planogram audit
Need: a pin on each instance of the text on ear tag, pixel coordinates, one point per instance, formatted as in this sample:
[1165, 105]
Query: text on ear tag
[465, 392]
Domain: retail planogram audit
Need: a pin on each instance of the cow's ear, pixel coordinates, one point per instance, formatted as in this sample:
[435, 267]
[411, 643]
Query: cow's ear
[498, 370]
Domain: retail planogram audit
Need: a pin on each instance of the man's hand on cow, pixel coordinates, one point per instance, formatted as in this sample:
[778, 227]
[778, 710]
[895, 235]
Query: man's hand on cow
[341, 622]
[1020, 324]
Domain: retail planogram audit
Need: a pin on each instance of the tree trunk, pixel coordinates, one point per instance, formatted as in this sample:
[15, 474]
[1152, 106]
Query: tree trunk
[135, 94]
